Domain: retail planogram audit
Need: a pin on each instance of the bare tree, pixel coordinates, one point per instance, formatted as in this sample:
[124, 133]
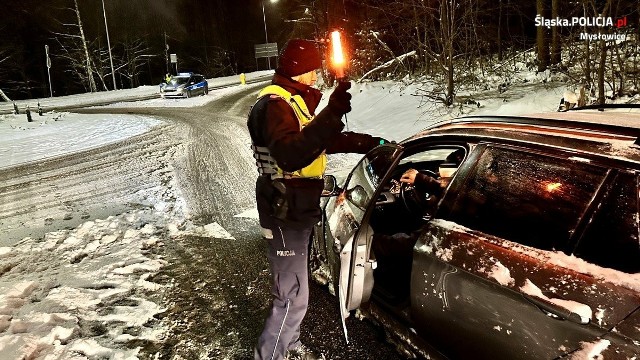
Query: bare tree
[541, 39]
[76, 50]
[555, 34]
[449, 34]
[135, 55]
[92, 83]
[216, 63]
[4, 57]
[603, 51]
[587, 57]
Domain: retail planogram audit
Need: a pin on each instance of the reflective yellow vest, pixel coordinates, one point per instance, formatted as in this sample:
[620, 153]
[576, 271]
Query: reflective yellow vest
[317, 167]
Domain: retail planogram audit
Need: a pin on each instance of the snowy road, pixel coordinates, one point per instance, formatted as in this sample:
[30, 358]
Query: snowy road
[202, 281]
[147, 247]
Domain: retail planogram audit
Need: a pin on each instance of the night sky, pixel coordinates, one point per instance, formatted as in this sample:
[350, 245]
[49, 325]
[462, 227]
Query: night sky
[198, 31]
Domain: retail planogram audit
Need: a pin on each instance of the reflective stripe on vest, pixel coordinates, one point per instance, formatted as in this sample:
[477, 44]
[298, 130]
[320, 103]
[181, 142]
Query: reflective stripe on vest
[265, 162]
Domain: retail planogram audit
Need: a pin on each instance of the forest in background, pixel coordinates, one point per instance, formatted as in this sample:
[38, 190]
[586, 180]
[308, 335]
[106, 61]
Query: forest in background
[481, 43]
[448, 45]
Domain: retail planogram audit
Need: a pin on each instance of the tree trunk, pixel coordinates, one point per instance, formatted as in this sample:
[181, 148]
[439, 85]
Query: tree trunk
[603, 58]
[555, 34]
[447, 16]
[450, 83]
[499, 30]
[92, 83]
[587, 56]
[601, 68]
[543, 45]
[635, 55]
[621, 73]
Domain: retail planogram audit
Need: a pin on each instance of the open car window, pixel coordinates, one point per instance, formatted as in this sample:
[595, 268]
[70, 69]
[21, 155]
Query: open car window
[440, 155]
[433, 159]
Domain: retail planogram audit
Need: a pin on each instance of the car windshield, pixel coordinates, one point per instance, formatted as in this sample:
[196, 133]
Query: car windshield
[179, 80]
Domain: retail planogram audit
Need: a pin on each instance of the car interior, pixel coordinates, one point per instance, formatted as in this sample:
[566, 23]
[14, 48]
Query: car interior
[398, 216]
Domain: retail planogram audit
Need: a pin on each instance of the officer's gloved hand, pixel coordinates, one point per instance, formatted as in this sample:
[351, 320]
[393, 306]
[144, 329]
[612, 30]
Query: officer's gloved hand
[340, 99]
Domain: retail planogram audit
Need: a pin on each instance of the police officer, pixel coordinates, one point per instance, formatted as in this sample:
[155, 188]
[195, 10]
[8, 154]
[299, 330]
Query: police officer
[290, 143]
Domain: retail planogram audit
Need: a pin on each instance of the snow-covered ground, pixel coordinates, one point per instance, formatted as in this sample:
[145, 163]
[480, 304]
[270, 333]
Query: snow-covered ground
[54, 306]
[116, 95]
[385, 109]
[55, 134]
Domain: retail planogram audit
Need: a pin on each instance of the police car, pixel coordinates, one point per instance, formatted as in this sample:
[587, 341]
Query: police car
[184, 85]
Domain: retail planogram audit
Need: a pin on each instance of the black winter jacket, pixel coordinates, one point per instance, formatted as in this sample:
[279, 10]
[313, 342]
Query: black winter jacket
[272, 123]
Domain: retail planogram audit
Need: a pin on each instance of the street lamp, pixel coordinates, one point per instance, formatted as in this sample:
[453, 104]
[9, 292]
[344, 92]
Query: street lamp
[113, 74]
[266, 37]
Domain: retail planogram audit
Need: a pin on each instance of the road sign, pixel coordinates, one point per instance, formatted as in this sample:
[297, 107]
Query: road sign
[174, 58]
[266, 50]
[46, 50]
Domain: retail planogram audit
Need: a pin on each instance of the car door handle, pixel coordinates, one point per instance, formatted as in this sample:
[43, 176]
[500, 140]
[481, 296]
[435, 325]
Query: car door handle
[556, 311]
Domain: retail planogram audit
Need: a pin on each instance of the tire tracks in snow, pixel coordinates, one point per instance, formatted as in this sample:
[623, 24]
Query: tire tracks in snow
[217, 174]
[64, 191]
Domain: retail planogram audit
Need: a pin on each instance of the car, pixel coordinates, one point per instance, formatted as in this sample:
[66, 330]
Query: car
[532, 251]
[184, 85]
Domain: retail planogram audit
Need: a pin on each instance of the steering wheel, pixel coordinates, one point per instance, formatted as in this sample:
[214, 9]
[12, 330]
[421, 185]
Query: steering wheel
[414, 200]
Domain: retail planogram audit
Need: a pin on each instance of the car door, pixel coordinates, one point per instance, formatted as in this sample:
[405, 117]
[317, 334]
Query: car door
[491, 270]
[192, 84]
[355, 278]
[610, 242]
[200, 84]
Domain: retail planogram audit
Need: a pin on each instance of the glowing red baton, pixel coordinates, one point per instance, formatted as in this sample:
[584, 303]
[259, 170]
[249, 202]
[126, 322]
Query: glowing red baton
[338, 57]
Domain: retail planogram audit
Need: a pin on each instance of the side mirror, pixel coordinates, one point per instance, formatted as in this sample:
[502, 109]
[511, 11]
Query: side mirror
[331, 187]
[358, 197]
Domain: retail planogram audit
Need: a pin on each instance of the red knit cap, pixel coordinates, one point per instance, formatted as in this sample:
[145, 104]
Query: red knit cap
[298, 57]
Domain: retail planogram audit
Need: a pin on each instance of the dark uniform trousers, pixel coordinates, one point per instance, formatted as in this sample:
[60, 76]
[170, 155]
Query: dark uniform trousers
[288, 257]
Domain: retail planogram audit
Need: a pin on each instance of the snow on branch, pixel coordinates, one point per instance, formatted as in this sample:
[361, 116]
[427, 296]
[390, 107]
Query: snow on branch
[382, 43]
[3, 96]
[388, 63]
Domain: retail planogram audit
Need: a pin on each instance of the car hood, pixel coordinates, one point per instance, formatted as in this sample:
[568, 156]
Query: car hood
[173, 86]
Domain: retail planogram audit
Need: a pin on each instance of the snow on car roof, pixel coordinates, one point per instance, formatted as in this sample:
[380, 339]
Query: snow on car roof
[620, 117]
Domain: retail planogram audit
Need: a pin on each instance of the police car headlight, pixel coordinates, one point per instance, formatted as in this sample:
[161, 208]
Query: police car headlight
[179, 90]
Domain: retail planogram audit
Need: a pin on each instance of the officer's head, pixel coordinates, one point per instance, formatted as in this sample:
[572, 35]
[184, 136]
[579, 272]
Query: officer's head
[299, 61]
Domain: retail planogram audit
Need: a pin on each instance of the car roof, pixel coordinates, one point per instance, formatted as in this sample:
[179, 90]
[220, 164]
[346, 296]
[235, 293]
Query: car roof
[611, 133]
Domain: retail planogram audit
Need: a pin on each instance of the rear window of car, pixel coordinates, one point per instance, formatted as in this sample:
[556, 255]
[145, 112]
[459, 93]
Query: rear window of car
[611, 239]
[533, 199]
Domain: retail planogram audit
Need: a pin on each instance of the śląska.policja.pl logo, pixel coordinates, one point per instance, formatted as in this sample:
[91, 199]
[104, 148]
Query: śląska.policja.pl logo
[598, 21]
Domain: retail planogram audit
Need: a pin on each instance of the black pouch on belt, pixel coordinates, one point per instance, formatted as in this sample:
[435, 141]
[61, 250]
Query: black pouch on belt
[279, 203]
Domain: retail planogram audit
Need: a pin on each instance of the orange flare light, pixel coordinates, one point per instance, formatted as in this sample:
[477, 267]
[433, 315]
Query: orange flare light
[338, 57]
[551, 187]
